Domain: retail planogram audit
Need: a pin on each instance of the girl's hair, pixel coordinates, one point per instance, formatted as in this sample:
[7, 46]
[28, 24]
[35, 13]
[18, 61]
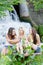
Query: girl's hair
[34, 35]
[22, 29]
[10, 33]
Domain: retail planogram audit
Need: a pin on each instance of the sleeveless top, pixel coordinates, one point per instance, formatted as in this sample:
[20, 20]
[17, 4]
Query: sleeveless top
[30, 39]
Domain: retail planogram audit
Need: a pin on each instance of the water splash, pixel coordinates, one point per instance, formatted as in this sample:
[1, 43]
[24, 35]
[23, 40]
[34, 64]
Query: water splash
[7, 22]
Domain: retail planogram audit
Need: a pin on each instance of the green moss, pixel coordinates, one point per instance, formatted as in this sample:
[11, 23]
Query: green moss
[26, 19]
[40, 30]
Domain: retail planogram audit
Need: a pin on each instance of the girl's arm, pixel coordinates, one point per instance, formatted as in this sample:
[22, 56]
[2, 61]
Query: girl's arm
[37, 44]
[38, 39]
[14, 41]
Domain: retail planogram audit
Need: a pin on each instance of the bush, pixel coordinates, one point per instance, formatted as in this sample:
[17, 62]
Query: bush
[40, 31]
[42, 38]
[38, 4]
[18, 59]
[6, 5]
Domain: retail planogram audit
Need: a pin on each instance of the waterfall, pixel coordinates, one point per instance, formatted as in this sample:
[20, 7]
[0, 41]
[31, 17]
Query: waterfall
[11, 20]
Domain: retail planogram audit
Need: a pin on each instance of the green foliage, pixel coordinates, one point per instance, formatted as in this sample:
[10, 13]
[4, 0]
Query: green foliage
[40, 31]
[21, 60]
[38, 4]
[6, 5]
[13, 58]
[42, 38]
[38, 60]
[23, 41]
[5, 60]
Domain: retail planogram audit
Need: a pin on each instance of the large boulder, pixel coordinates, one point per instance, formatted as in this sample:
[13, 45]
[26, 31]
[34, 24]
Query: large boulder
[24, 12]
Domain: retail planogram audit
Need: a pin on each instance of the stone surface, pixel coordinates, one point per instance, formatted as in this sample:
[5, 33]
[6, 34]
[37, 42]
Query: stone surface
[37, 17]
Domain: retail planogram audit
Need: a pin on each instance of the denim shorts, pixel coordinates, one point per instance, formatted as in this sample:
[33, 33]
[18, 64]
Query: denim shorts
[37, 50]
[6, 46]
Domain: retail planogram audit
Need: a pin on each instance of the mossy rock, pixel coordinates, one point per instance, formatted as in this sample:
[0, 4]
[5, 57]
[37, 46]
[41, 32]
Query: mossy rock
[26, 19]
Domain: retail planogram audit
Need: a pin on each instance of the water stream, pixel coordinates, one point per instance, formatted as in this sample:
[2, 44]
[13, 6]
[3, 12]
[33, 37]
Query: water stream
[11, 20]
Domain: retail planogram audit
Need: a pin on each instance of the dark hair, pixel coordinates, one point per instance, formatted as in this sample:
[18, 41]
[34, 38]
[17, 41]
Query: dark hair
[34, 35]
[10, 33]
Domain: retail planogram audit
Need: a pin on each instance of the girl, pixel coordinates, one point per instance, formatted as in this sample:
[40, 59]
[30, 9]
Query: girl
[34, 39]
[11, 38]
[21, 36]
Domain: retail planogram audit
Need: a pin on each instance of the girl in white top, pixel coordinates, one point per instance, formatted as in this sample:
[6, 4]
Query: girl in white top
[20, 36]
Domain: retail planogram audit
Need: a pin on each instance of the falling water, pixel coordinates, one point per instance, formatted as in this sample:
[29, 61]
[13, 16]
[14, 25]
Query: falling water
[11, 20]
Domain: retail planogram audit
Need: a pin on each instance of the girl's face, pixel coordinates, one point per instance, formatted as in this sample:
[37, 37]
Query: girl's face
[21, 31]
[13, 32]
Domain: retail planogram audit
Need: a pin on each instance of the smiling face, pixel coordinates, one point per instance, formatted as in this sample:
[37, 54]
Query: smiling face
[21, 31]
[13, 32]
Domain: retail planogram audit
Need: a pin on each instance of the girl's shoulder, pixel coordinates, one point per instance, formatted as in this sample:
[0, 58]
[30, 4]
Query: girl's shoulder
[37, 36]
[29, 36]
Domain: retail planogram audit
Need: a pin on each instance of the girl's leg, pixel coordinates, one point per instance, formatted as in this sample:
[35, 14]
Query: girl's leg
[37, 50]
[21, 49]
[4, 51]
[17, 47]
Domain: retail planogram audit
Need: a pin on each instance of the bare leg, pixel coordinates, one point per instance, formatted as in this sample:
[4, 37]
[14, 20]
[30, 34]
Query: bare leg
[21, 48]
[4, 51]
[17, 47]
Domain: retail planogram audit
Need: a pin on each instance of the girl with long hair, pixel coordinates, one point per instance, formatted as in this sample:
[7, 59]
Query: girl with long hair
[11, 39]
[34, 38]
